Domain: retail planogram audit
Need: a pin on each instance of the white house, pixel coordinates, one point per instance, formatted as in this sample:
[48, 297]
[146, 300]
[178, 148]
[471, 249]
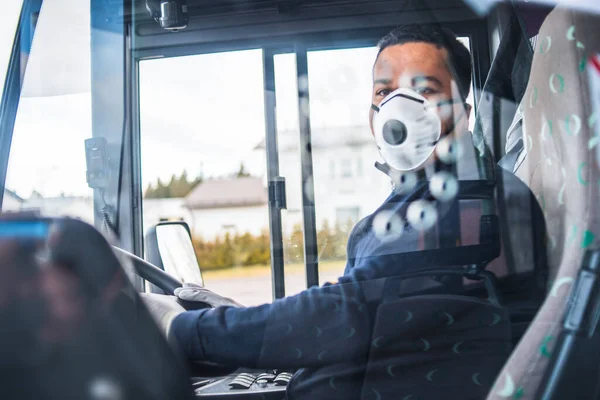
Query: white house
[346, 184]
[347, 187]
[157, 210]
[11, 201]
[235, 205]
[75, 207]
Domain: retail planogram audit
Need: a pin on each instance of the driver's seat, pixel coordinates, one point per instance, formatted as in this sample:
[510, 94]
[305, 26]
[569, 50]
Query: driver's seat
[73, 326]
[561, 169]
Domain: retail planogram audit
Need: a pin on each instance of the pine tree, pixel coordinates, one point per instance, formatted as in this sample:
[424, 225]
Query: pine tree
[178, 187]
[149, 193]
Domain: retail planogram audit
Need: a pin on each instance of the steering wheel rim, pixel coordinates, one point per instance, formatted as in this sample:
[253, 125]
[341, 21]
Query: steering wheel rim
[168, 284]
[151, 273]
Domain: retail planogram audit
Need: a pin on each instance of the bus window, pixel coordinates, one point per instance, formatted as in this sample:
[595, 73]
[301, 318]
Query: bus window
[347, 187]
[47, 169]
[202, 121]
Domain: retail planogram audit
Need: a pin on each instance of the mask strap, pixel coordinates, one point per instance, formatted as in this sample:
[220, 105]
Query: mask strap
[374, 107]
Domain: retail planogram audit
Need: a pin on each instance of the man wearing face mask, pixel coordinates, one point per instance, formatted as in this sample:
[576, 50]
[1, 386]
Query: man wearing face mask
[419, 119]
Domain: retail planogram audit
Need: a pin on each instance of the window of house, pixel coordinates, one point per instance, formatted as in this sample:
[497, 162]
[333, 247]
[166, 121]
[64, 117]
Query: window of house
[346, 168]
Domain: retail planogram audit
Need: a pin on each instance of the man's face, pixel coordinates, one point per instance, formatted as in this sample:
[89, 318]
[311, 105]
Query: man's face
[422, 67]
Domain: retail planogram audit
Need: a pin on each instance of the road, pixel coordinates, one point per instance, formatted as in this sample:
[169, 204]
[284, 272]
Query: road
[257, 290]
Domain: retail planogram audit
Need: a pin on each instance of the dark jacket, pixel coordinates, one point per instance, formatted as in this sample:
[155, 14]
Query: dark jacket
[344, 342]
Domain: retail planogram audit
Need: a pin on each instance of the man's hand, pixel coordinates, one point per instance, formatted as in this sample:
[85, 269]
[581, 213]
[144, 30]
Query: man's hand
[163, 309]
[193, 292]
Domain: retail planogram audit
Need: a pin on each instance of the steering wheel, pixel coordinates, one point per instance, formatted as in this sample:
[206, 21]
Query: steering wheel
[150, 272]
[159, 278]
[168, 284]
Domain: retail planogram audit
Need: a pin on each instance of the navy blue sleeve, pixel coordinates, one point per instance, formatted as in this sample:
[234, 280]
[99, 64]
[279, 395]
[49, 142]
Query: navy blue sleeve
[319, 326]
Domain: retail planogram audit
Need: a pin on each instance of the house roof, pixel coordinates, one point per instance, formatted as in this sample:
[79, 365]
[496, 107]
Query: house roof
[13, 195]
[224, 193]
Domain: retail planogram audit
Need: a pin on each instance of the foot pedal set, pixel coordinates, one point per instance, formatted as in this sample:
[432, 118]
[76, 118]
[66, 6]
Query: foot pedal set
[246, 380]
[242, 381]
[282, 379]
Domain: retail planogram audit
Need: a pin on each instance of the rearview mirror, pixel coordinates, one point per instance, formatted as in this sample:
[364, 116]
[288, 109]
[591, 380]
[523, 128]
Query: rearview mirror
[169, 246]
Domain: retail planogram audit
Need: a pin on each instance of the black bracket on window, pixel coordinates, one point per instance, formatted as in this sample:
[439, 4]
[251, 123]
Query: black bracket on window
[575, 351]
[277, 193]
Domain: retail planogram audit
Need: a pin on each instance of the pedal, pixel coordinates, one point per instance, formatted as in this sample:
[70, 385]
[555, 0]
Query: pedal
[242, 381]
[282, 379]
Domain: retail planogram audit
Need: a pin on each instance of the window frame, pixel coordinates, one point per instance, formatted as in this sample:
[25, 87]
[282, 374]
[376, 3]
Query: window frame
[128, 191]
[301, 44]
[11, 94]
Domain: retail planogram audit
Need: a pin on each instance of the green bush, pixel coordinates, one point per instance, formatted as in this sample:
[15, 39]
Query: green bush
[247, 250]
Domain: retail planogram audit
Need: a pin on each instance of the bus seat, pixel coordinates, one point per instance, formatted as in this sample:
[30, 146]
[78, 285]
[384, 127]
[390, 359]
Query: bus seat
[561, 170]
[73, 325]
[435, 347]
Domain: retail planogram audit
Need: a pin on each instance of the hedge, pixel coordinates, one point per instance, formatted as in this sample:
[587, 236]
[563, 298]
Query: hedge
[240, 250]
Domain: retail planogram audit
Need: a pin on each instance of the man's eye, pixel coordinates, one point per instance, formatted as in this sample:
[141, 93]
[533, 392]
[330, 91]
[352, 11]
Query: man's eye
[424, 90]
[383, 92]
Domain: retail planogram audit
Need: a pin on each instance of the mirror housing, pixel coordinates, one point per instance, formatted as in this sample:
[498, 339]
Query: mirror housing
[169, 246]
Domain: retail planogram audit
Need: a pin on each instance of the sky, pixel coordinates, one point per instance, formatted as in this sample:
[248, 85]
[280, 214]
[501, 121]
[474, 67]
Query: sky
[203, 113]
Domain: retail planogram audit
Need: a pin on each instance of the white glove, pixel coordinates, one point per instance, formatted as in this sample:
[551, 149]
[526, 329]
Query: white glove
[163, 309]
[194, 292]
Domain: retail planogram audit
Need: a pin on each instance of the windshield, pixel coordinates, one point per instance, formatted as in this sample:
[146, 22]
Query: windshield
[54, 116]
[310, 147]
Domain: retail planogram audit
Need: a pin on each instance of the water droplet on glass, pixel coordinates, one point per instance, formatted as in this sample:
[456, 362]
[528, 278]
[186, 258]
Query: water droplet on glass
[303, 83]
[445, 111]
[449, 150]
[404, 182]
[388, 225]
[105, 389]
[421, 214]
[304, 108]
[310, 189]
[443, 186]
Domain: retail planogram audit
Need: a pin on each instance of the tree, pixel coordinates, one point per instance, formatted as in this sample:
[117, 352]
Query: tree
[178, 186]
[340, 241]
[326, 241]
[226, 253]
[162, 190]
[294, 246]
[260, 253]
[242, 173]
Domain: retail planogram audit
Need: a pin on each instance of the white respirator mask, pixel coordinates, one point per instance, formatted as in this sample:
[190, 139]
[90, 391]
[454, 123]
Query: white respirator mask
[407, 129]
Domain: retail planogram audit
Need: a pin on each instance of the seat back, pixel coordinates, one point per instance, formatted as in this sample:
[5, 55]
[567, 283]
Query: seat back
[561, 169]
[436, 346]
[72, 324]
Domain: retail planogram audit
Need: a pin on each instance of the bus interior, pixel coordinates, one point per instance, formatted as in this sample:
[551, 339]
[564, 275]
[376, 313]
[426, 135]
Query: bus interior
[150, 144]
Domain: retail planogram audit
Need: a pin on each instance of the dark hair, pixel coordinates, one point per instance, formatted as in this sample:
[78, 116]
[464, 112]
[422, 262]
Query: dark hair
[459, 57]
